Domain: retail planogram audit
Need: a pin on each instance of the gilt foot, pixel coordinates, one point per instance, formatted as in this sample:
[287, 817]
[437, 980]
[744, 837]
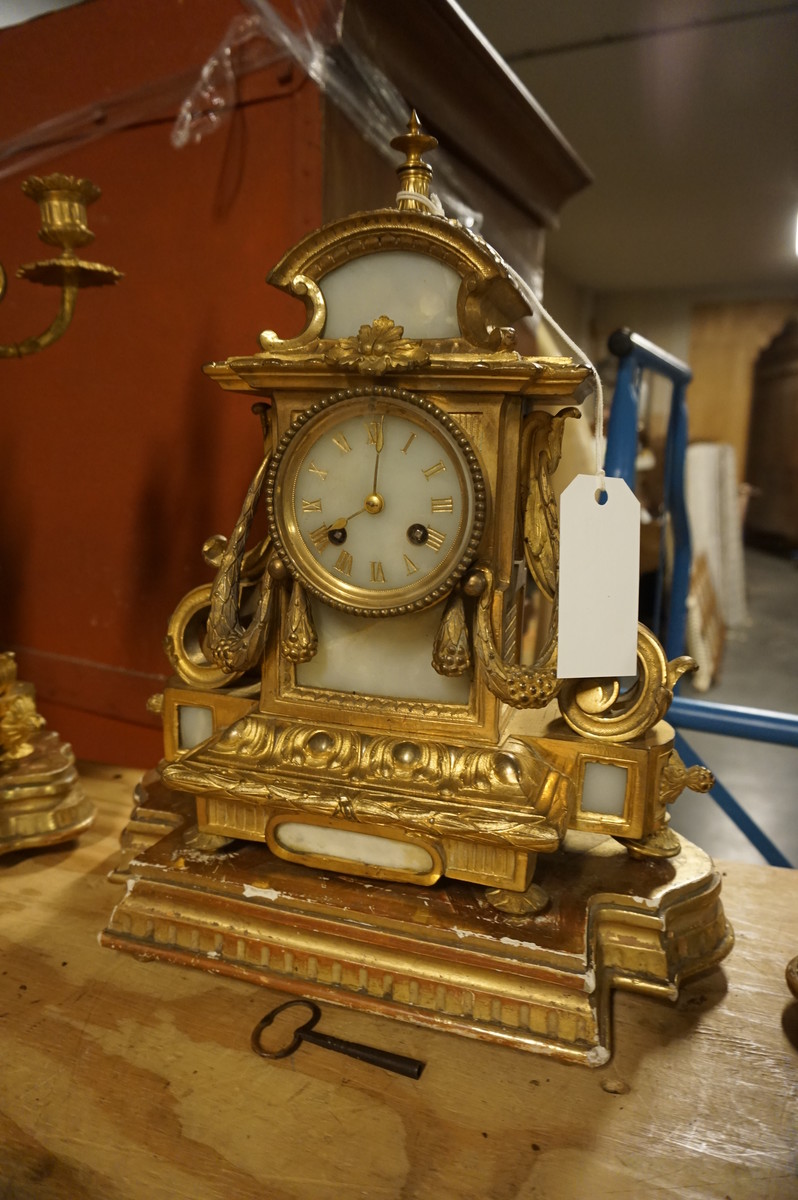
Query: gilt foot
[195, 839]
[663, 843]
[518, 904]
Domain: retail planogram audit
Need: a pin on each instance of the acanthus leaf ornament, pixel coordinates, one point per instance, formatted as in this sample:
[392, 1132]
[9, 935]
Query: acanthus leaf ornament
[543, 433]
[230, 645]
[377, 348]
[519, 686]
[511, 796]
[597, 708]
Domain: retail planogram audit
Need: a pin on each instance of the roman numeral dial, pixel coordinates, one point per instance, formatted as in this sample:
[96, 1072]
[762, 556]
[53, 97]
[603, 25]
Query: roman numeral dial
[376, 502]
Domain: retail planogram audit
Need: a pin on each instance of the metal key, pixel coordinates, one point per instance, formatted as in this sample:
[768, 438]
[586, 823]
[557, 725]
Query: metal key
[399, 1063]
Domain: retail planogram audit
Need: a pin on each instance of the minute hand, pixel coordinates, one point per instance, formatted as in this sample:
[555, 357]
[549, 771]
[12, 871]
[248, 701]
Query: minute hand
[378, 442]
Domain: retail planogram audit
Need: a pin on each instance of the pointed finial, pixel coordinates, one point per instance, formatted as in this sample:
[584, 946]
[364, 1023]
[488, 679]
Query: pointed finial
[414, 174]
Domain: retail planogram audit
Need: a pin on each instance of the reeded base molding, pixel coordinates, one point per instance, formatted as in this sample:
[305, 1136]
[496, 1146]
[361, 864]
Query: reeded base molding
[440, 955]
[41, 802]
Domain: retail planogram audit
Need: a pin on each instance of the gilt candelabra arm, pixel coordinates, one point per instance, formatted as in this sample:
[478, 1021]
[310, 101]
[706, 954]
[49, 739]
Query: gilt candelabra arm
[62, 201]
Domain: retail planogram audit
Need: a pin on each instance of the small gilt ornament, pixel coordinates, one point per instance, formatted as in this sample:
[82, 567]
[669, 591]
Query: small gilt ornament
[377, 348]
[451, 652]
[300, 642]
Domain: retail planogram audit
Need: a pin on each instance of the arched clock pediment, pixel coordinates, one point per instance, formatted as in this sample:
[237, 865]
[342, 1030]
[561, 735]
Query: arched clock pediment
[435, 279]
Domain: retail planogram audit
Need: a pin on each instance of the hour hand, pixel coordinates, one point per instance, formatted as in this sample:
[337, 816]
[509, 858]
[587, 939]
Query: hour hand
[336, 530]
[342, 521]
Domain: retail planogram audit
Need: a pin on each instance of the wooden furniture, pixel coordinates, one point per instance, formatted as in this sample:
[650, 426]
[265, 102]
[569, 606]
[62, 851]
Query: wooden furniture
[772, 471]
[124, 1079]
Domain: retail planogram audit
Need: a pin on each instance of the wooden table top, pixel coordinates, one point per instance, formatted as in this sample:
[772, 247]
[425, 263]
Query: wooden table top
[123, 1079]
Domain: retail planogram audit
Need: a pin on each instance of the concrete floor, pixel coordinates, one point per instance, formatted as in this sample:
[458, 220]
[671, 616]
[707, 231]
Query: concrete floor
[759, 670]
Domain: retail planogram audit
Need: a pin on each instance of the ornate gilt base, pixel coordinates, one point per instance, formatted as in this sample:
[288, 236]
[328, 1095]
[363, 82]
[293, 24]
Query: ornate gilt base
[440, 956]
[41, 803]
[385, 806]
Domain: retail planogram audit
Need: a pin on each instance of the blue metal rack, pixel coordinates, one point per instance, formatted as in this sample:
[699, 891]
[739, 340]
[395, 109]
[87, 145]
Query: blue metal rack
[636, 355]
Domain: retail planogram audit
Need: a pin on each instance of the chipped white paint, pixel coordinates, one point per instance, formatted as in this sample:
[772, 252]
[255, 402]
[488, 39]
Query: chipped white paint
[260, 893]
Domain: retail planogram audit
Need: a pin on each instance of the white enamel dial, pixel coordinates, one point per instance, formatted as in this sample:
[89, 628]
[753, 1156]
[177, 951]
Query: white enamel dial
[376, 501]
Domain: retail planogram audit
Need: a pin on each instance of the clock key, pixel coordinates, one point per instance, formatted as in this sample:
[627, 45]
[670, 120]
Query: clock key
[398, 1063]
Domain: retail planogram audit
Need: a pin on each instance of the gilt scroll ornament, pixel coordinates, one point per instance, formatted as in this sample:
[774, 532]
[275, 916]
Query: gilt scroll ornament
[231, 645]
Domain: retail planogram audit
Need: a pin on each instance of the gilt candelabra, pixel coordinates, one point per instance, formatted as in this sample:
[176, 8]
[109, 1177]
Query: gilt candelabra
[40, 800]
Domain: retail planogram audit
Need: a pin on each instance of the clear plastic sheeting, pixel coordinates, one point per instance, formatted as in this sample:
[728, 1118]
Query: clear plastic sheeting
[351, 81]
[311, 36]
[362, 92]
[347, 77]
[244, 48]
[314, 40]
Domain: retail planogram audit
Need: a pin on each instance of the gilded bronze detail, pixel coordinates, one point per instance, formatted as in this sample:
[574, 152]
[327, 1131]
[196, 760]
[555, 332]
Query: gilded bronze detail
[451, 651]
[518, 904]
[381, 707]
[231, 646]
[676, 777]
[543, 433]
[313, 298]
[388, 229]
[662, 842]
[414, 174]
[185, 642]
[443, 957]
[596, 710]
[485, 309]
[377, 348]
[62, 201]
[19, 720]
[504, 796]
[292, 547]
[516, 685]
[300, 641]
[41, 802]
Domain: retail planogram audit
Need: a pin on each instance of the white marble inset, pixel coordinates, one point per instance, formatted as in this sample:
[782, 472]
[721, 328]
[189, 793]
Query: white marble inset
[604, 788]
[299, 837]
[389, 656]
[195, 724]
[415, 291]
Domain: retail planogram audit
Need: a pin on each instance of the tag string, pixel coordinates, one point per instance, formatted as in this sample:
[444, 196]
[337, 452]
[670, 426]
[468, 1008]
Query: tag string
[430, 203]
[598, 389]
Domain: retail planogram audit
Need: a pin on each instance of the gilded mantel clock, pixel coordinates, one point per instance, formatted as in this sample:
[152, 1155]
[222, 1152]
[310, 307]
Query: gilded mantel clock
[361, 777]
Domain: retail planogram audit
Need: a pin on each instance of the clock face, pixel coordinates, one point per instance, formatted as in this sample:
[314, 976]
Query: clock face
[376, 501]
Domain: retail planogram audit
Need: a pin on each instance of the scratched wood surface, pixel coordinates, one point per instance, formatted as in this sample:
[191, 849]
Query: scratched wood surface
[122, 1079]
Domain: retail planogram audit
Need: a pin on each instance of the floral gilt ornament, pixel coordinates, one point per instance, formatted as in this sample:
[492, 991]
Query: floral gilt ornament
[378, 348]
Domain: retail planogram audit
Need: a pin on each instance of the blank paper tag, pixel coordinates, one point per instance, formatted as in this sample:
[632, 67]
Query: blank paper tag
[599, 580]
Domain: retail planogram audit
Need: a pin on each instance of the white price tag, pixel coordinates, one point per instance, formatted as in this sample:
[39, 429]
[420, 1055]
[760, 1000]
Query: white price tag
[599, 580]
